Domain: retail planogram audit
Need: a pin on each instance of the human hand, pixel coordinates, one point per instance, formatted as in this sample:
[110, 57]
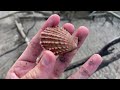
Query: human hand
[49, 66]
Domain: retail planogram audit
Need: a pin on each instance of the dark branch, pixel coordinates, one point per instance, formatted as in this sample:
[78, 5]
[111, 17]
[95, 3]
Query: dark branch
[77, 64]
[34, 23]
[12, 49]
[114, 14]
[103, 52]
[107, 62]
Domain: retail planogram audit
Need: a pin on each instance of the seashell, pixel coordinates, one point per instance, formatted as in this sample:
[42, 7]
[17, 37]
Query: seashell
[58, 40]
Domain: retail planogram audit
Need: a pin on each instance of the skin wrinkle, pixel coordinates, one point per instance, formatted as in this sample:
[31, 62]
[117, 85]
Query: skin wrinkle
[39, 59]
[38, 69]
[34, 45]
[31, 58]
[29, 75]
[84, 72]
[37, 72]
[18, 71]
[13, 76]
[28, 64]
[91, 63]
[34, 73]
[27, 61]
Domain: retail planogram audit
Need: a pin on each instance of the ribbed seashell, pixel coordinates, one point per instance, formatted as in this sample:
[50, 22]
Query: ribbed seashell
[58, 40]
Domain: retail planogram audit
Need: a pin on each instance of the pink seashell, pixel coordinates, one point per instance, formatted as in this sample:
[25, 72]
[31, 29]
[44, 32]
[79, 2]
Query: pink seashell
[58, 40]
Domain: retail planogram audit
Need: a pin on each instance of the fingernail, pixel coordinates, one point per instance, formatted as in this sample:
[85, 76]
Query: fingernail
[45, 60]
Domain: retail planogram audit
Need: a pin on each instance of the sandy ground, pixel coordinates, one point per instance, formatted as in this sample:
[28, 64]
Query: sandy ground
[101, 33]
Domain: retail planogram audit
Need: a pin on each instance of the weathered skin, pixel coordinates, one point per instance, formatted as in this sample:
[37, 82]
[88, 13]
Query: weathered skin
[49, 67]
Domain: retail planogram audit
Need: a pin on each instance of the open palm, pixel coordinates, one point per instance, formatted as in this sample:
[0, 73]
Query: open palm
[49, 66]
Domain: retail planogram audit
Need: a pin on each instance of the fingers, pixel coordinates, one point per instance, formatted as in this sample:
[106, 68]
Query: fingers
[52, 21]
[44, 69]
[11, 76]
[34, 48]
[63, 61]
[88, 68]
[82, 32]
[69, 27]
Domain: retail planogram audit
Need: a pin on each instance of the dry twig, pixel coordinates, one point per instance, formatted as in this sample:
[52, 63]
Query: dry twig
[21, 31]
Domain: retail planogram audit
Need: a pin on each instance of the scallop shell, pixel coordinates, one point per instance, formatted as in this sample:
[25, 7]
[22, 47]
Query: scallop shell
[58, 40]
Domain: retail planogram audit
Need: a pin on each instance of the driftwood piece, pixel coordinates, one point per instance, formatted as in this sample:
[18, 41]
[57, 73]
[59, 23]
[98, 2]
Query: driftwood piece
[21, 31]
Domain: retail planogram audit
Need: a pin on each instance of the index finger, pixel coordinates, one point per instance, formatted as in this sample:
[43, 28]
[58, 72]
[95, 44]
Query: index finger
[34, 49]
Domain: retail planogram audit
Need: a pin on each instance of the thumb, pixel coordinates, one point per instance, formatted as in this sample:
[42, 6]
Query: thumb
[44, 69]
